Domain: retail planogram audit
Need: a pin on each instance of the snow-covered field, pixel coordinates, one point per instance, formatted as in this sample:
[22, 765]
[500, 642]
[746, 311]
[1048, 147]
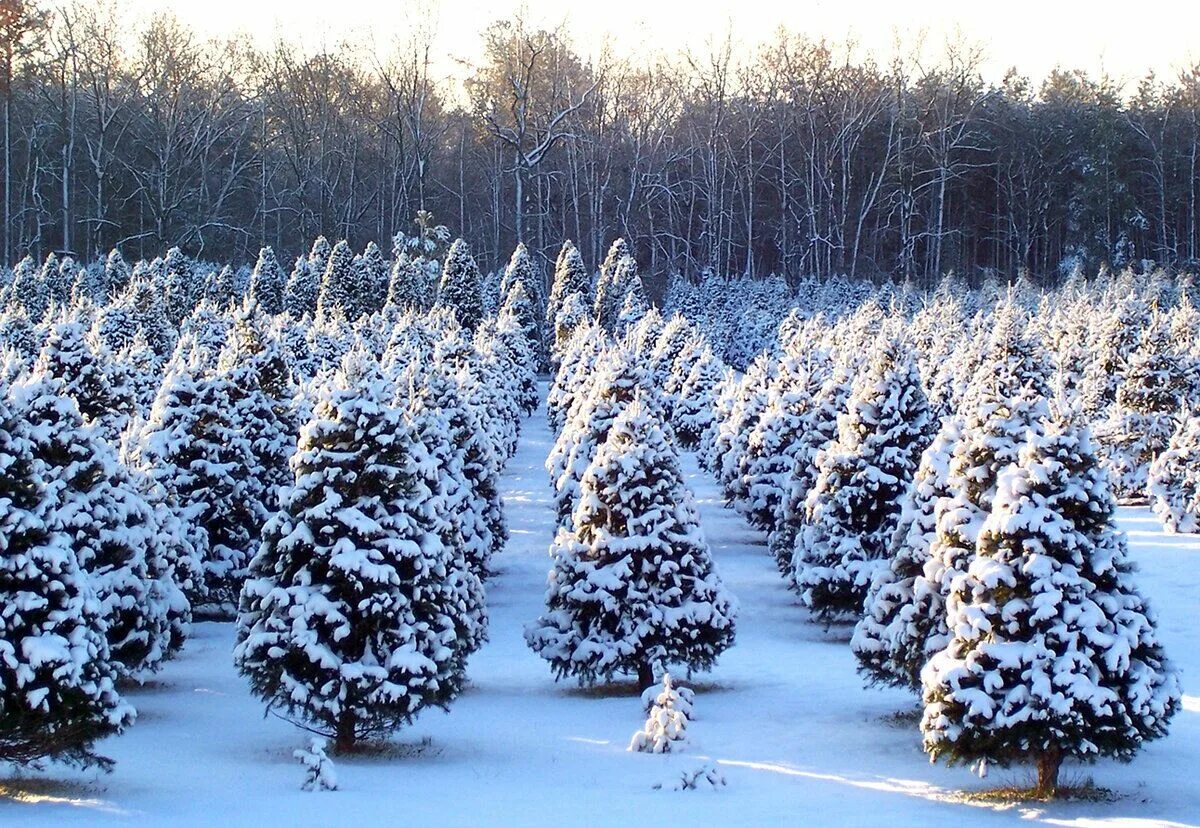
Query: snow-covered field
[784, 717]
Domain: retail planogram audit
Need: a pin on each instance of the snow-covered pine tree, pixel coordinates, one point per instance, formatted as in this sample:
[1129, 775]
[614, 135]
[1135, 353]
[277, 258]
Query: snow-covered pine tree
[151, 315]
[459, 289]
[303, 287]
[1006, 405]
[634, 306]
[479, 467]
[774, 440]
[1053, 653]
[692, 413]
[619, 375]
[573, 373]
[633, 583]
[573, 316]
[854, 506]
[268, 285]
[117, 272]
[109, 525]
[1174, 478]
[518, 328]
[1140, 423]
[452, 512]
[732, 442]
[610, 290]
[665, 730]
[676, 334]
[87, 372]
[830, 388]
[348, 623]
[371, 280]
[319, 772]
[889, 640]
[570, 277]
[337, 283]
[18, 332]
[255, 368]
[221, 288]
[194, 446]
[1116, 336]
[58, 692]
[142, 370]
[408, 285]
[521, 268]
[525, 311]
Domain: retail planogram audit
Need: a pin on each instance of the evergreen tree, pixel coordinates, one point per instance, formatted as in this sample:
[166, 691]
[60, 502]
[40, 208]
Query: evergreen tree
[1174, 478]
[610, 287]
[221, 290]
[633, 584]
[337, 283]
[452, 514]
[525, 308]
[830, 399]
[88, 375]
[348, 623]
[58, 692]
[692, 412]
[303, 287]
[889, 640]
[195, 447]
[1007, 405]
[570, 277]
[268, 284]
[459, 289]
[110, 526]
[1141, 421]
[1052, 653]
[854, 506]
[408, 287]
[116, 272]
[619, 376]
[372, 280]
[318, 254]
[573, 317]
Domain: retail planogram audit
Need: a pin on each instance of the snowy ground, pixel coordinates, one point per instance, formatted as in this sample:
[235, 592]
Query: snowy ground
[784, 716]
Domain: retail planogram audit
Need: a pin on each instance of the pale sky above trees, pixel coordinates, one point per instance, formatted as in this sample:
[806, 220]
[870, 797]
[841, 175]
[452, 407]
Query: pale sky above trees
[1034, 35]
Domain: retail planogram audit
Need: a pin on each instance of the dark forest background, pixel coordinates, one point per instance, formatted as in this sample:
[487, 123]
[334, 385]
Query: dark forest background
[794, 157]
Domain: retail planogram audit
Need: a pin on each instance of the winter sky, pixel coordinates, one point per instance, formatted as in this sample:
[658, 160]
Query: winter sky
[1035, 35]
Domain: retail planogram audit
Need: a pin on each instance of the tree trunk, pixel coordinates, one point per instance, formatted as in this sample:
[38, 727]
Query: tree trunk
[344, 740]
[1048, 763]
[645, 675]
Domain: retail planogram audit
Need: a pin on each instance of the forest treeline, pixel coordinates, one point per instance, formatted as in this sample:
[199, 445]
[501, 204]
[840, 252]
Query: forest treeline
[798, 156]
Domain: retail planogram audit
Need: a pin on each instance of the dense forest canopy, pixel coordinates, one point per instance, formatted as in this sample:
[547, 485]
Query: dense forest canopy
[798, 156]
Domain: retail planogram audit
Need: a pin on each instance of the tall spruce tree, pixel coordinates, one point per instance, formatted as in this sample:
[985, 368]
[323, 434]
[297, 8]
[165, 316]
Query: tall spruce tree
[337, 283]
[103, 515]
[348, 623]
[570, 277]
[633, 585]
[460, 287]
[268, 285]
[58, 693]
[1052, 653]
[854, 506]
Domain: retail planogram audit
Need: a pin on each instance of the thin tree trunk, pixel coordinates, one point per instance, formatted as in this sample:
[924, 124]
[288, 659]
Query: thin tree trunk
[645, 675]
[1048, 764]
[344, 739]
